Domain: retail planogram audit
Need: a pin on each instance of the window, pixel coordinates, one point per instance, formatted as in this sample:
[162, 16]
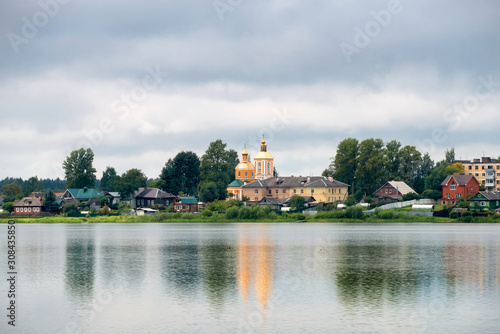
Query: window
[277, 191]
[239, 173]
[256, 191]
[269, 191]
[256, 198]
[259, 167]
[246, 173]
[470, 167]
[482, 174]
[458, 195]
[386, 191]
[294, 191]
[475, 167]
[301, 191]
[329, 191]
[482, 203]
[25, 209]
[453, 186]
[312, 191]
[284, 191]
[17, 209]
[269, 167]
[252, 173]
[390, 191]
[448, 196]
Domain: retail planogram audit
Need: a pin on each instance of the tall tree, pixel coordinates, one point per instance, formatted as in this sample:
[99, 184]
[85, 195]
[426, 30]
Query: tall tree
[108, 177]
[12, 191]
[79, 170]
[182, 173]
[410, 162]
[449, 156]
[130, 181]
[217, 165]
[50, 202]
[344, 164]
[370, 172]
[31, 185]
[393, 159]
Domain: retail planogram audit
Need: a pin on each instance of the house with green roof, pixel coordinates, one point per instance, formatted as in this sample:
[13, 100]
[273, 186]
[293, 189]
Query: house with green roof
[485, 200]
[81, 195]
[185, 204]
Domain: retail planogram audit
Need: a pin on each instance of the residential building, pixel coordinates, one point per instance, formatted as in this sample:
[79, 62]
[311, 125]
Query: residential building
[392, 191]
[28, 206]
[185, 204]
[456, 186]
[323, 189]
[485, 200]
[81, 195]
[486, 170]
[150, 197]
[282, 203]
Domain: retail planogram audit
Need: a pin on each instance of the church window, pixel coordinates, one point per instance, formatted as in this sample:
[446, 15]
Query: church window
[246, 173]
[252, 173]
[239, 174]
[269, 167]
[259, 169]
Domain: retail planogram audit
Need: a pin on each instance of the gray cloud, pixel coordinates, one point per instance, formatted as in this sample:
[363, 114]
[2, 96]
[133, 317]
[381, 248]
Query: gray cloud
[227, 77]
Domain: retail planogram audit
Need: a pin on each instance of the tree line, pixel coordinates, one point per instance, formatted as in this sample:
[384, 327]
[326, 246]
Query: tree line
[366, 165]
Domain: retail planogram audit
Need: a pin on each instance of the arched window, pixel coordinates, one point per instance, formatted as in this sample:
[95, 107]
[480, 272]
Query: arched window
[259, 167]
[246, 173]
[268, 167]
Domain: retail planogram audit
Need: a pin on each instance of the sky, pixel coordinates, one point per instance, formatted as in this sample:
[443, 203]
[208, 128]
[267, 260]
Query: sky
[140, 81]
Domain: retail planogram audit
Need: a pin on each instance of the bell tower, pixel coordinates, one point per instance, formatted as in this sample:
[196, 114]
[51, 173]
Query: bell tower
[264, 162]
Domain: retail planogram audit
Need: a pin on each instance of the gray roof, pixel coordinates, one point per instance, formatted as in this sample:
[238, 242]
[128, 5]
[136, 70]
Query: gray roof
[401, 186]
[295, 182]
[152, 193]
[491, 195]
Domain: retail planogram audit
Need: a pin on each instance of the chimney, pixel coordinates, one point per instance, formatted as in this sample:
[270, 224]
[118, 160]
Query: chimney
[485, 159]
[308, 179]
[330, 178]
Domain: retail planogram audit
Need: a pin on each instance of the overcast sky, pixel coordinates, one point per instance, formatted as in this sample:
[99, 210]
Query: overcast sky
[140, 81]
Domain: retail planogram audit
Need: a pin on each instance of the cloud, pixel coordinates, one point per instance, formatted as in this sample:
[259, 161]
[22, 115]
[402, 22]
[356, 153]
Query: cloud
[231, 79]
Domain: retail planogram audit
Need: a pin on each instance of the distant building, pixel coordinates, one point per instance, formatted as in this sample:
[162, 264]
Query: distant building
[28, 206]
[150, 197]
[82, 194]
[392, 191]
[323, 189]
[486, 170]
[185, 204]
[485, 200]
[456, 186]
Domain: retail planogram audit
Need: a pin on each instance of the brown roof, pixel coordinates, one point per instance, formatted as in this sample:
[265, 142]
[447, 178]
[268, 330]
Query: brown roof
[461, 180]
[29, 201]
[294, 182]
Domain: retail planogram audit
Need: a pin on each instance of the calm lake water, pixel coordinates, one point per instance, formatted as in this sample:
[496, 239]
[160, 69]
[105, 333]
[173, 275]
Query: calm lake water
[255, 278]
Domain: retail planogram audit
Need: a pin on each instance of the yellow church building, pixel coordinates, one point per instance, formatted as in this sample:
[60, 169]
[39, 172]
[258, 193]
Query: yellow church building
[254, 181]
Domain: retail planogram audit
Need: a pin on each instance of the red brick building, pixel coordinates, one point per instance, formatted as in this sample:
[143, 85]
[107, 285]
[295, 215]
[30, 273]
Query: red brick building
[457, 186]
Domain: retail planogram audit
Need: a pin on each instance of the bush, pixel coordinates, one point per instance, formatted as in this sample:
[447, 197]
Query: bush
[207, 213]
[71, 210]
[232, 212]
[244, 213]
[432, 194]
[298, 216]
[453, 215]
[272, 215]
[354, 212]
[466, 217]
[410, 196]
[385, 214]
[9, 207]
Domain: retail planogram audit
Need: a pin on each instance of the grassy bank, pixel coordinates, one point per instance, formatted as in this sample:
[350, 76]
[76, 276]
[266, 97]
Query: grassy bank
[220, 218]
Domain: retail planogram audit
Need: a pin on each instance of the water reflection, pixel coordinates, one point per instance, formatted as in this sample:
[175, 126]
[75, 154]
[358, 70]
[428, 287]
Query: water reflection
[255, 265]
[218, 269]
[80, 264]
[180, 267]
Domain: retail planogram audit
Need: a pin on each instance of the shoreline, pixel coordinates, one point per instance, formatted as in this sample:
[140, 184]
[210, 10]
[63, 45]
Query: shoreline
[211, 220]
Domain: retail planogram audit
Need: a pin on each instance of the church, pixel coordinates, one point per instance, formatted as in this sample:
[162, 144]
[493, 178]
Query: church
[256, 182]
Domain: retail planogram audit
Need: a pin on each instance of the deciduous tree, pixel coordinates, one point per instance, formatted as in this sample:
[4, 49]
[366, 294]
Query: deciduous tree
[79, 170]
[182, 173]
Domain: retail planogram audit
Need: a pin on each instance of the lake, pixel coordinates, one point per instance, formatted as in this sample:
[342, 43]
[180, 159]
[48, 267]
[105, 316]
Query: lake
[255, 278]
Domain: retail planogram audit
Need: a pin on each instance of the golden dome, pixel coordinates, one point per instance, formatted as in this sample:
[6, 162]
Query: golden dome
[245, 165]
[263, 155]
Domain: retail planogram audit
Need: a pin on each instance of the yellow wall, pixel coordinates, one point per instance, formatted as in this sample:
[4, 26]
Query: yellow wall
[320, 194]
[478, 170]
